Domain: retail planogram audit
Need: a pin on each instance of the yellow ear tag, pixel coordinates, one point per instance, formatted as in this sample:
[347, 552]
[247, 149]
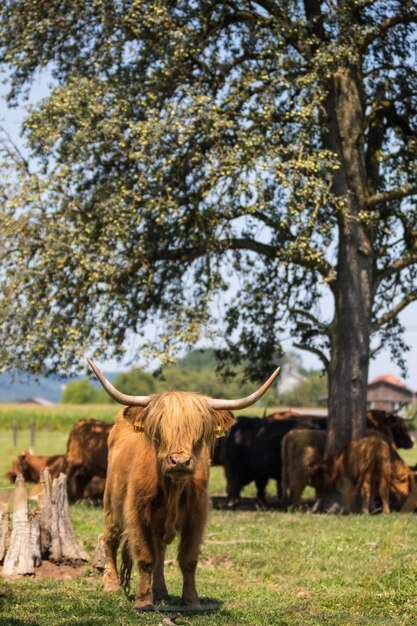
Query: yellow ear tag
[138, 428]
[219, 432]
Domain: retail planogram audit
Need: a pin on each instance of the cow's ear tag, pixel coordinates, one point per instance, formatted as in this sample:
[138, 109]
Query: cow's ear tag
[138, 427]
[219, 432]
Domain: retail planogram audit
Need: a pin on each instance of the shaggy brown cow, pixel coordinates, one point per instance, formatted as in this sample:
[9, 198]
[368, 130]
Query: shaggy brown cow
[303, 448]
[402, 477]
[354, 470]
[300, 449]
[87, 453]
[159, 462]
[94, 489]
[30, 466]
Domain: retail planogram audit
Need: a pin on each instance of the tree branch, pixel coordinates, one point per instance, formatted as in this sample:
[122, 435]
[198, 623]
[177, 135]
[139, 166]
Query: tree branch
[190, 254]
[323, 358]
[397, 266]
[268, 5]
[387, 196]
[386, 25]
[374, 351]
[242, 243]
[323, 327]
[392, 314]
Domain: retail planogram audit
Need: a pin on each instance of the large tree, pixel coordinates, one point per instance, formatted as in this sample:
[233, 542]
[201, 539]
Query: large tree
[188, 145]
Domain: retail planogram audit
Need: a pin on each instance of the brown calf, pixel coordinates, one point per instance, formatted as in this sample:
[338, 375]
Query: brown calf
[30, 466]
[300, 449]
[354, 470]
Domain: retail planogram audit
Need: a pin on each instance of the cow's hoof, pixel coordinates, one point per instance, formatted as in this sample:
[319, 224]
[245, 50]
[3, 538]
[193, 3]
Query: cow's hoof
[194, 606]
[112, 586]
[140, 606]
[160, 596]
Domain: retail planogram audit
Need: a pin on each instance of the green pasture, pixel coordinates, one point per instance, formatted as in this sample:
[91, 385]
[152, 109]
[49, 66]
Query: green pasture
[53, 417]
[63, 416]
[256, 568]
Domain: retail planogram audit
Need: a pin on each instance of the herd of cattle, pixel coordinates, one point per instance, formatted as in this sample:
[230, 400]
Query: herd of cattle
[289, 448]
[156, 460]
[285, 446]
[84, 463]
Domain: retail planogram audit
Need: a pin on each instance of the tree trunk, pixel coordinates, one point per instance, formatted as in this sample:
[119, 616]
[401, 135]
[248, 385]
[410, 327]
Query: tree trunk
[351, 327]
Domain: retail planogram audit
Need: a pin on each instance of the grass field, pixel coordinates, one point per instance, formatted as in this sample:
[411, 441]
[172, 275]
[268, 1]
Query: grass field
[256, 568]
[63, 416]
[54, 417]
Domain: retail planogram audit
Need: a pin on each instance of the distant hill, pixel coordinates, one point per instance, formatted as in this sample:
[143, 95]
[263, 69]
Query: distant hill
[17, 386]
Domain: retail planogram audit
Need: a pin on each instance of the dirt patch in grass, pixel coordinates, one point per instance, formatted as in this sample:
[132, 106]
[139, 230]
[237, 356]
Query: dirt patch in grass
[56, 571]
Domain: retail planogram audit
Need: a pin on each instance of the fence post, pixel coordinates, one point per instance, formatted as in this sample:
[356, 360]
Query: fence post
[32, 433]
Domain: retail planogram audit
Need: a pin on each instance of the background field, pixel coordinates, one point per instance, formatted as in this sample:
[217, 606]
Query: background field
[256, 568]
[63, 416]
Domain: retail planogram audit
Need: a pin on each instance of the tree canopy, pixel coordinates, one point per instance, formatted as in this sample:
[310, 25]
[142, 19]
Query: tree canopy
[82, 392]
[185, 147]
[196, 372]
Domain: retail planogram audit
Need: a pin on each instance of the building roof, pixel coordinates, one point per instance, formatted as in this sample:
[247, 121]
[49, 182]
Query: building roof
[36, 400]
[390, 379]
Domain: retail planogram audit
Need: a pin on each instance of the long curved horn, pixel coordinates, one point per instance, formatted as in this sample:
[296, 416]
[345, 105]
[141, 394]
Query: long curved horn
[242, 403]
[123, 398]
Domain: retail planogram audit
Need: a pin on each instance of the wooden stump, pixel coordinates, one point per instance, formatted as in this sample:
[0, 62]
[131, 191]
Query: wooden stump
[4, 534]
[64, 543]
[24, 552]
[47, 532]
[99, 557]
[45, 511]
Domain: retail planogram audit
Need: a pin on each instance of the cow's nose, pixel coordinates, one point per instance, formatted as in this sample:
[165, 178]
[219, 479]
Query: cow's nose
[179, 460]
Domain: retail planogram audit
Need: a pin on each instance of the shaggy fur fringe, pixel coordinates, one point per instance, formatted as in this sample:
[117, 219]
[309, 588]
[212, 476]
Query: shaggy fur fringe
[126, 567]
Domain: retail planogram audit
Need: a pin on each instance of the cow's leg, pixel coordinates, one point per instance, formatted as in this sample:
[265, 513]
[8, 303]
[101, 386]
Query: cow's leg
[347, 489]
[159, 588]
[143, 552]
[189, 548]
[366, 491]
[111, 540]
[77, 481]
[384, 492]
[144, 597]
[233, 493]
[260, 490]
[296, 491]
[279, 490]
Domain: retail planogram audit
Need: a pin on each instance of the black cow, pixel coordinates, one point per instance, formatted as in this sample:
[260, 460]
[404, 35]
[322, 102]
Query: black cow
[253, 453]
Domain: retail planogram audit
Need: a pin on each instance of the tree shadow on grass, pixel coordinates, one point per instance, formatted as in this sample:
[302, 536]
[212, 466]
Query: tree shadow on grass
[173, 605]
[246, 503]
